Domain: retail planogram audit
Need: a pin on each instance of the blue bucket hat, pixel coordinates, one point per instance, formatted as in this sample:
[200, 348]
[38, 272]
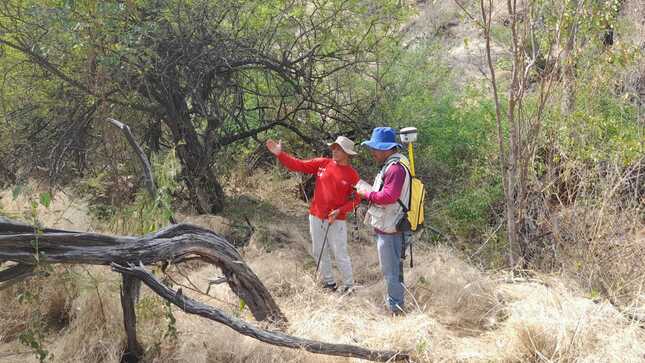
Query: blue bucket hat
[383, 138]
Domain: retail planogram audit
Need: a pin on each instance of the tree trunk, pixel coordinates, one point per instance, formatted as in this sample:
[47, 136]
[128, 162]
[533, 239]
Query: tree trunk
[129, 297]
[205, 191]
[568, 66]
[153, 137]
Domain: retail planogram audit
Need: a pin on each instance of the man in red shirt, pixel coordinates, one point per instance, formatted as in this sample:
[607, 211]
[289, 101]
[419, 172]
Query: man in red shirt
[333, 199]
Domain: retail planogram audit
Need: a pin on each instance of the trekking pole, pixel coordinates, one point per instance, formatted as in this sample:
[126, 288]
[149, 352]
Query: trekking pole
[322, 249]
[352, 196]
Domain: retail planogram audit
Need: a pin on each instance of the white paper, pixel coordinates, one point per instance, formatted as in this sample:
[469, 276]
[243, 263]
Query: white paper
[363, 187]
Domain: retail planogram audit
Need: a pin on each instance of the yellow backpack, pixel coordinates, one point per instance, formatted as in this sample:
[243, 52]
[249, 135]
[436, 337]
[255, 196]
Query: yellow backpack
[416, 199]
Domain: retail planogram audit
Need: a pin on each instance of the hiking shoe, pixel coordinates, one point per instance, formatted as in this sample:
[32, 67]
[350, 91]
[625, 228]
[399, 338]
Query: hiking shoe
[345, 290]
[397, 311]
[393, 312]
[330, 286]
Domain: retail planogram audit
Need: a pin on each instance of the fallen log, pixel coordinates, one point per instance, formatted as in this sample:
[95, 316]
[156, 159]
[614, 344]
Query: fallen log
[166, 245]
[191, 306]
[27, 246]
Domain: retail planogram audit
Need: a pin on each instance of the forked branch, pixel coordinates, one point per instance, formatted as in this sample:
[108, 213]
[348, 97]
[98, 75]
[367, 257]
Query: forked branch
[28, 247]
[191, 306]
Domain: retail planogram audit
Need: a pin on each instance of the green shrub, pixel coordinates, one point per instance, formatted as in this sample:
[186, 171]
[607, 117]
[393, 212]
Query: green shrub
[456, 151]
[146, 215]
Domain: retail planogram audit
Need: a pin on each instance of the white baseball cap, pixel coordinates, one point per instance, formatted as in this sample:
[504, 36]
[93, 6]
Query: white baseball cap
[346, 144]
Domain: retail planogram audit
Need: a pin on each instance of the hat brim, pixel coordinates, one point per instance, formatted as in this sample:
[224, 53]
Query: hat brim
[348, 152]
[382, 146]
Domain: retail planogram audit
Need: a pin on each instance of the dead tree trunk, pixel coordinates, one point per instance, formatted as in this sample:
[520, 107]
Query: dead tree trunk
[138, 151]
[167, 245]
[191, 306]
[131, 287]
[129, 294]
[19, 242]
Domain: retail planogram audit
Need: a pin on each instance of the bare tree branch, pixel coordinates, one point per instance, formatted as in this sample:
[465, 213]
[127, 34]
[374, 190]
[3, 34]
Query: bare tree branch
[147, 169]
[191, 306]
[169, 244]
[164, 245]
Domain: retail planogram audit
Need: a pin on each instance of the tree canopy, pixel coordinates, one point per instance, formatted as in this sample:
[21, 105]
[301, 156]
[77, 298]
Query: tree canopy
[196, 75]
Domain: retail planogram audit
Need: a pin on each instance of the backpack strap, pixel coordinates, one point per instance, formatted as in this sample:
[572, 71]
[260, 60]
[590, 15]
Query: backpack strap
[384, 170]
[406, 209]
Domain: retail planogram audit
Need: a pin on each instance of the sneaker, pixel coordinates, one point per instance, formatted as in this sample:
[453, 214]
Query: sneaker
[330, 286]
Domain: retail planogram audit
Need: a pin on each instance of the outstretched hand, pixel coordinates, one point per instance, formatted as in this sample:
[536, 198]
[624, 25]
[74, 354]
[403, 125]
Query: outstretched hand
[274, 147]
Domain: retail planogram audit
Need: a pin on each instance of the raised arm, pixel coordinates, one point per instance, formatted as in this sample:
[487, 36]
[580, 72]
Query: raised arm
[292, 163]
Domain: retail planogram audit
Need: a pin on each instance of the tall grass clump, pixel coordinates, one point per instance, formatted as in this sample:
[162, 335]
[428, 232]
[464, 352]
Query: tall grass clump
[146, 214]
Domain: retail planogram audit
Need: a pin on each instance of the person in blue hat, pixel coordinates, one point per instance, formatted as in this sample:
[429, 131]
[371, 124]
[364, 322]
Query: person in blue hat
[388, 197]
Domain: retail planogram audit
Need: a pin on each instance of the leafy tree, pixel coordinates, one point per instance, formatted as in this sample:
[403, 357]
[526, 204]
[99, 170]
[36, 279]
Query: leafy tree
[542, 41]
[206, 74]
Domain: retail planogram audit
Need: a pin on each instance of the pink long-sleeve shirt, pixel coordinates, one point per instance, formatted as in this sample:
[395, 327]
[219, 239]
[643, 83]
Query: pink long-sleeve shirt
[392, 184]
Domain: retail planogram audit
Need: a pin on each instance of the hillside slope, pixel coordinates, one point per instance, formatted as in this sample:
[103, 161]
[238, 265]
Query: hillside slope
[457, 313]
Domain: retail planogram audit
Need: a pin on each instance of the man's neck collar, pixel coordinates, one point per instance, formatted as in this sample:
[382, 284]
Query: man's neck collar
[388, 158]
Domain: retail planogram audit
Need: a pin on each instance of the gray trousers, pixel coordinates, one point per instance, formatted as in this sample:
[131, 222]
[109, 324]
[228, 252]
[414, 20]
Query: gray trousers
[337, 243]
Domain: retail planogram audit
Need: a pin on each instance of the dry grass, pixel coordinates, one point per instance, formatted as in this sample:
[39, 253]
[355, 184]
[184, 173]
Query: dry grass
[95, 330]
[457, 313]
[611, 264]
[600, 236]
[551, 324]
[215, 223]
[80, 314]
[531, 322]
[52, 297]
[461, 295]
[65, 211]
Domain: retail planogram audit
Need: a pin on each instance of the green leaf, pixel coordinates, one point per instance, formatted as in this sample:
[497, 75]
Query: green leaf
[45, 199]
[16, 191]
[242, 305]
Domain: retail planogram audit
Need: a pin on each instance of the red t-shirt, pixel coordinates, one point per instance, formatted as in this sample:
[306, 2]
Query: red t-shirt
[334, 184]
